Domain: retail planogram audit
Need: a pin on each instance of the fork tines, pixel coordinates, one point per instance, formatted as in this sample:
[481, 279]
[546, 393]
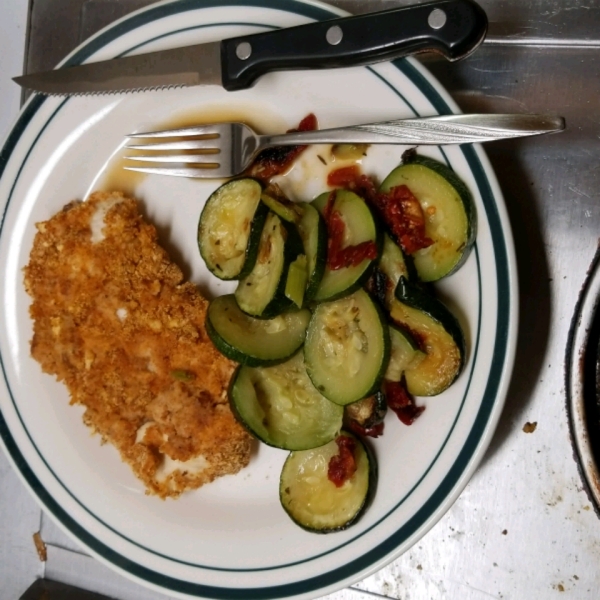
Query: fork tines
[198, 144]
[214, 129]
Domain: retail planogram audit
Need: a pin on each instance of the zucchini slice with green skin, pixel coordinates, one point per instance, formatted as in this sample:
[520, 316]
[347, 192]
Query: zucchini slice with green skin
[261, 293]
[295, 286]
[450, 218]
[313, 501]
[313, 231]
[353, 152]
[379, 286]
[439, 336]
[254, 342]
[286, 209]
[347, 348]
[282, 408]
[394, 263]
[359, 227]
[404, 353]
[230, 227]
[368, 412]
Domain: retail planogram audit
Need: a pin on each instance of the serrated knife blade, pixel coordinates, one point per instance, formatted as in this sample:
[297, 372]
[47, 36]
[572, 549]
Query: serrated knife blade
[192, 65]
[453, 28]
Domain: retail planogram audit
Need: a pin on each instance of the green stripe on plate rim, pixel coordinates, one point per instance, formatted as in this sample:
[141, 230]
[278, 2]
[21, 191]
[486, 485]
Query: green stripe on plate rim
[272, 567]
[499, 356]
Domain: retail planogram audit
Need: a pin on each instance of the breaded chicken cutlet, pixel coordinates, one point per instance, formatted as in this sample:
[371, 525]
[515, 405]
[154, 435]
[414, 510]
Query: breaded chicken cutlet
[114, 321]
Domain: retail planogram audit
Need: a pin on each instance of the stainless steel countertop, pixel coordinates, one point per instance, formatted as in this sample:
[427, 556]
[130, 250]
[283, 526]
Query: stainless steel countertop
[524, 526]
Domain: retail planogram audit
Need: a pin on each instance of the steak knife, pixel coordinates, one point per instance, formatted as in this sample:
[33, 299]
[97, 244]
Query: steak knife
[453, 28]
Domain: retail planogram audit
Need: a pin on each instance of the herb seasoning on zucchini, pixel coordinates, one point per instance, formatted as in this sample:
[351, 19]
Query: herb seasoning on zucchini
[347, 348]
[230, 227]
[304, 375]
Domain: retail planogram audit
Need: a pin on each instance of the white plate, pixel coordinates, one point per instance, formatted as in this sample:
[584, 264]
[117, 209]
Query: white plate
[231, 539]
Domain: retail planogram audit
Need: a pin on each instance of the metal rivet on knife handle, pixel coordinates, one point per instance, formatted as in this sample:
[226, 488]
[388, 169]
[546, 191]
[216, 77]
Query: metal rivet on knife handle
[334, 35]
[243, 50]
[437, 18]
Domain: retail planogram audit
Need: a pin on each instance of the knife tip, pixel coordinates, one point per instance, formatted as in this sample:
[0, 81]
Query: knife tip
[24, 81]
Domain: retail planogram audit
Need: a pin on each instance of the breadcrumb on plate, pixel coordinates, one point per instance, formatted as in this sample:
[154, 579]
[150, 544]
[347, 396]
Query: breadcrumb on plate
[115, 322]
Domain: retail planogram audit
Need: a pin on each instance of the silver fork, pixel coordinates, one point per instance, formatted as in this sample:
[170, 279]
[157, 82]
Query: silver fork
[227, 149]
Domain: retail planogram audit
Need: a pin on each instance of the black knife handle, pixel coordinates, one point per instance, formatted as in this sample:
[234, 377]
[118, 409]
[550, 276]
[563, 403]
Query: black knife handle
[453, 28]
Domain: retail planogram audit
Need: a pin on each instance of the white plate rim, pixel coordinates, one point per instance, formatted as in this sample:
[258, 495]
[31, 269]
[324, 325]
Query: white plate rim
[492, 402]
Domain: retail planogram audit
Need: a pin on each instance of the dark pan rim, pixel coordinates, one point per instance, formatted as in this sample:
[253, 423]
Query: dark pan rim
[582, 369]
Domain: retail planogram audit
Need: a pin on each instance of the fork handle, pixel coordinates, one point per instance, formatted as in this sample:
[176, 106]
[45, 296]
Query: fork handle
[451, 129]
[453, 28]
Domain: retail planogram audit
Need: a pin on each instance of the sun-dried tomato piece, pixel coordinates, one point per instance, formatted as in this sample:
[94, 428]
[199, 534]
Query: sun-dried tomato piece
[351, 178]
[401, 402]
[309, 123]
[343, 177]
[274, 161]
[339, 257]
[335, 229]
[350, 256]
[365, 187]
[399, 208]
[342, 465]
[329, 206]
[403, 214]
[374, 431]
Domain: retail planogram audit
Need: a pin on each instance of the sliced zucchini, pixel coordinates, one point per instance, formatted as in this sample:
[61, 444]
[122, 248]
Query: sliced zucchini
[380, 288]
[347, 348]
[286, 209]
[313, 501]
[254, 342]
[313, 231]
[366, 413]
[262, 293]
[394, 263]
[439, 336]
[230, 227]
[354, 152]
[295, 286]
[282, 408]
[450, 218]
[359, 227]
[404, 353]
